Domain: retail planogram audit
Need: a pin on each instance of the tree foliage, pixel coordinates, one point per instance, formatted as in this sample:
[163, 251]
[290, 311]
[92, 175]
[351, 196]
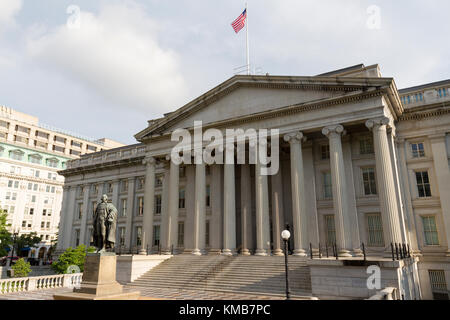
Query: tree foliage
[27, 240]
[21, 268]
[71, 257]
[5, 235]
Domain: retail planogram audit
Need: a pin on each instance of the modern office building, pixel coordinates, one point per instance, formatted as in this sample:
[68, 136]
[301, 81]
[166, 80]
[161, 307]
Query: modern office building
[30, 187]
[361, 162]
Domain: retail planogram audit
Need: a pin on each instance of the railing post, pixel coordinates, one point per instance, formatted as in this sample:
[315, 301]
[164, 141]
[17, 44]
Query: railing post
[335, 250]
[31, 284]
[326, 249]
[320, 251]
[396, 251]
[310, 251]
[392, 250]
[364, 252]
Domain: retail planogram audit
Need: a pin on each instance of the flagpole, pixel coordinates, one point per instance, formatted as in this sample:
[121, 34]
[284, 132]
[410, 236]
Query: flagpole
[248, 47]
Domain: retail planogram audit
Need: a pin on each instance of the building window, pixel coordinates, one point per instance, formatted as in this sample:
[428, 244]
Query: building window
[366, 146]
[156, 232]
[138, 236]
[76, 144]
[418, 150]
[325, 152]
[208, 196]
[430, 231]
[77, 237]
[374, 230]
[44, 212]
[16, 155]
[159, 181]
[207, 243]
[182, 199]
[158, 204]
[91, 148]
[75, 153]
[80, 211]
[58, 149]
[442, 92]
[141, 183]
[423, 184]
[124, 208]
[22, 129]
[370, 186]
[438, 284]
[94, 207]
[419, 97]
[140, 206]
[180, 234]
[124, 185]
[36, 159]
[122, 236]
[53, 163]
[327, 185]
[330, 230]
[60, 139]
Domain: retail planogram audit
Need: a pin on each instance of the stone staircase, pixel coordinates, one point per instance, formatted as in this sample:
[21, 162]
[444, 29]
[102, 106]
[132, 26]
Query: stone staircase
[238, 274]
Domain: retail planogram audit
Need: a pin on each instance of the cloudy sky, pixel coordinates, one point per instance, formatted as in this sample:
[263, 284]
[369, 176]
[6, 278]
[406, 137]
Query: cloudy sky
[103, 68]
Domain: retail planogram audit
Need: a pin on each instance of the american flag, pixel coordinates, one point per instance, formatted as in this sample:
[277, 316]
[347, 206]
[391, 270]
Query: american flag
[239, 23]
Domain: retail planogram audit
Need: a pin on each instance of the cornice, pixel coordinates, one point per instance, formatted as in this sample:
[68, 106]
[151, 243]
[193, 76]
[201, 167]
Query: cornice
[30, 179]
[423, 114]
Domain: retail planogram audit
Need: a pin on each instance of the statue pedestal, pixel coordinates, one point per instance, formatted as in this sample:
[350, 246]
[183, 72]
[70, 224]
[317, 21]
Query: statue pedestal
[99, 281]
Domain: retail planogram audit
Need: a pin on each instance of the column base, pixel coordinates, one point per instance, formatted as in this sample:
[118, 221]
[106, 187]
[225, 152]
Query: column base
[261, 253]
[197, 252]
[344, 253]
[299, 253]
[278, 252]
[245, 252]
[228, 252]
[358, 253]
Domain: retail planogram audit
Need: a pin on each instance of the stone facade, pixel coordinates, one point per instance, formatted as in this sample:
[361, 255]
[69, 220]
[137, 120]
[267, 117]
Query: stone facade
[360, 162]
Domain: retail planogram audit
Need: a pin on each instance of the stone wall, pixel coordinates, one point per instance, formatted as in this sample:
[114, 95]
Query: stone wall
[344, 280]
[129, 268]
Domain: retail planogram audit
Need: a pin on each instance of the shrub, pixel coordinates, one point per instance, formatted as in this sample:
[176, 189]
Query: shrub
[21, 269]
[71, 257]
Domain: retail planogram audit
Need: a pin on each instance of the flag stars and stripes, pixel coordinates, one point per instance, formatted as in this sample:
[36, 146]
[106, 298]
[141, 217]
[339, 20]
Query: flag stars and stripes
[239, 23]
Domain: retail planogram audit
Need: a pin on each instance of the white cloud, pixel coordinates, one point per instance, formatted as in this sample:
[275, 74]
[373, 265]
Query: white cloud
[117, 54]
[8, 9]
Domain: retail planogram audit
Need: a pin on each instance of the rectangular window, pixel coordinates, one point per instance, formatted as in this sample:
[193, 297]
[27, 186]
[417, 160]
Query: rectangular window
[91, 148]
[44, 212]
[60, 139]
[370, 186]
[124, 185]
[140, 206]
[124, 208]
[418, 150]
[208, 196]
[59, 149]
[41, 134]
[158, 204]
[75, 152]
[182, 199]
[156, 232]
[22, 129]
[31, 211]
[159, 181]
[325, 151]
[430, 231]
[366, 146]
[80, 211]
[77, 237]
[330, 230]
[76, 144]
[327, 185]
[16, 184]
[122, 236]
[374, 230]
[138, 236]
[180, 234]
[207, 243]
[423, 184]
[438, 284]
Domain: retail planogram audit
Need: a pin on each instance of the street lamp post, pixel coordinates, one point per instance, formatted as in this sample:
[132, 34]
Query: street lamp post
[285, 235]
[13, 247]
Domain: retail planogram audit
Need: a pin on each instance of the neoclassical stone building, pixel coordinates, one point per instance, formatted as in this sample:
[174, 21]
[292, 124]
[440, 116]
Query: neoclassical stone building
[360, 162]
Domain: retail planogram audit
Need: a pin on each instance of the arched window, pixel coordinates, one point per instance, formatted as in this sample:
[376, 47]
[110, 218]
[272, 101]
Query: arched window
[52, 162]
[35, 158]
[16, 155]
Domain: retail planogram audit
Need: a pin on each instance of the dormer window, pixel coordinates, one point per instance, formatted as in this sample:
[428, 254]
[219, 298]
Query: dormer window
[16, 155]
[35, 158]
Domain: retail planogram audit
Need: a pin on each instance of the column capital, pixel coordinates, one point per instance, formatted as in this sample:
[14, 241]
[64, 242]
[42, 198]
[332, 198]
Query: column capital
[149, 160]
[295, 137]
[377, 122]
[335, 129]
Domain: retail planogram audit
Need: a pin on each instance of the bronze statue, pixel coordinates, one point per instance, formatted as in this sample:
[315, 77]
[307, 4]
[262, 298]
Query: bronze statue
[105, 221]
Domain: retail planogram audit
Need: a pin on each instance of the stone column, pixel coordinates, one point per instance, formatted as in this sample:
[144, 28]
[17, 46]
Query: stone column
[68, 223]
[277, 212]
[262, 213]
[386, 189]
[165, 217]
[246, 210]
[216, 224]
[130, 206]
[200, 207]
[229, 211]
[340, 200]
[174, 194]
[64, 217]
[84, 218]
[440, 160]
[299, 214]
[149, 205]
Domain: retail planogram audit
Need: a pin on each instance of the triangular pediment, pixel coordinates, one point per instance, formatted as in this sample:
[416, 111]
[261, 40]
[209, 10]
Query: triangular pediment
[244, 96]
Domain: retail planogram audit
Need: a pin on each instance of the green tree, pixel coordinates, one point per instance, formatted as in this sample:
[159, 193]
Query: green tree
[21, 268]
[27, 240]
[71, 257]
[5, 235]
